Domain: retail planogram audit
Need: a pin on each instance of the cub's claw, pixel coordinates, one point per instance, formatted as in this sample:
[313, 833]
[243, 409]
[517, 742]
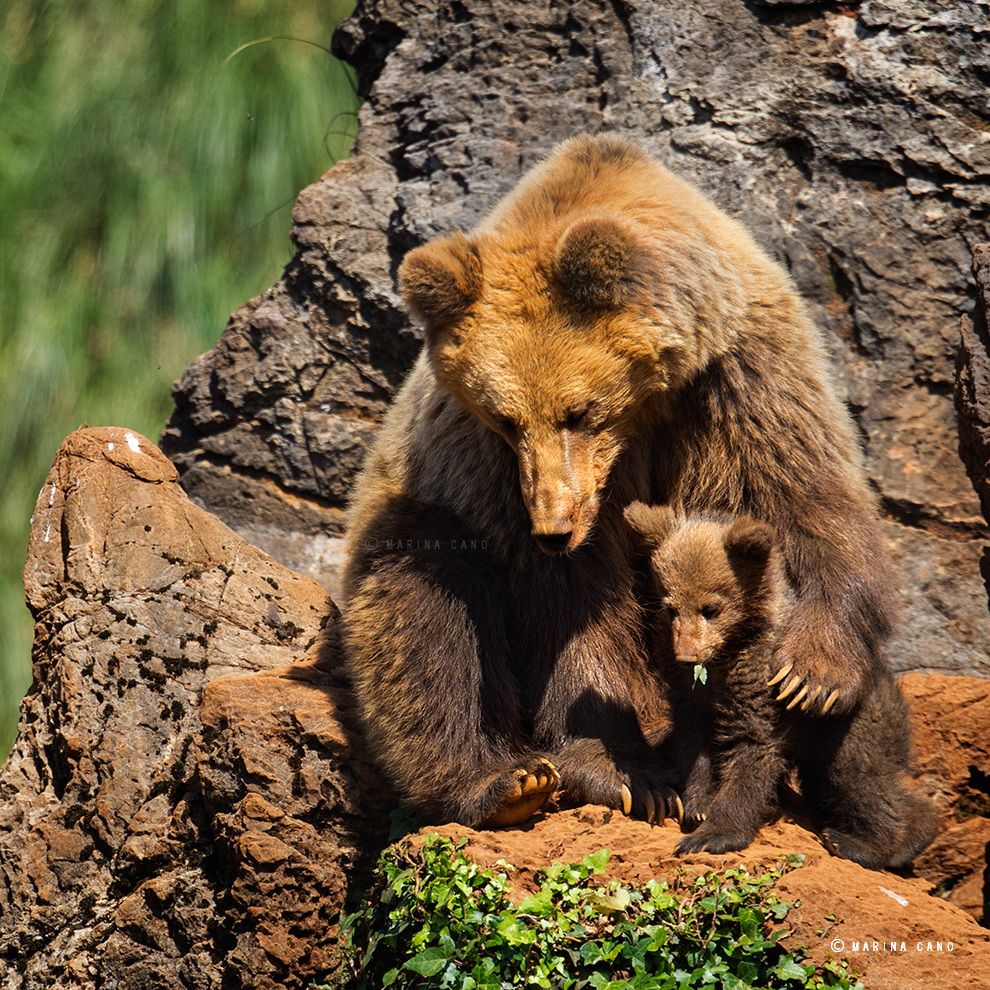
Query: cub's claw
[810, 698]
[692, 818]
[795, 701]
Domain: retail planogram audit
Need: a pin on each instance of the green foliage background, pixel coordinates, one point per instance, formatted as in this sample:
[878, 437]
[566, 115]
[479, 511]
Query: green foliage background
[146, 185]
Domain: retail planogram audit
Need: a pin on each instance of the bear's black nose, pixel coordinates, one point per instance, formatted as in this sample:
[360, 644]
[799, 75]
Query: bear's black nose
[553, 542]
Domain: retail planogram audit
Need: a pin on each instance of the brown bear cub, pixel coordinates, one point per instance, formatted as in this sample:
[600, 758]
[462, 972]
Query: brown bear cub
[724, 598]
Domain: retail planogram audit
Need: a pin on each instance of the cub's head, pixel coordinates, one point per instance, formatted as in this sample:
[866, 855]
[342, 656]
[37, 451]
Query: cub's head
[719, 582]
[552, 342]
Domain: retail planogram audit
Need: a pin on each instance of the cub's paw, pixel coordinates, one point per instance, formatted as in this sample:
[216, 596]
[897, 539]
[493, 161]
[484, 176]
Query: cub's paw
[849, 847]
[695, 815]
[707, 838]
[817, 668]
[649, 801]
[526, 791]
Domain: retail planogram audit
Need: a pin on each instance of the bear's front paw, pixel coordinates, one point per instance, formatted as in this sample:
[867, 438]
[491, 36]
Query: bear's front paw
[527, 790]
[649, 801]
[817, 667]
[710, 838]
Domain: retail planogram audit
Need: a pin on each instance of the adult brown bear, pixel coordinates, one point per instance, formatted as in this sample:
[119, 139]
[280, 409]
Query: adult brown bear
[606, 335]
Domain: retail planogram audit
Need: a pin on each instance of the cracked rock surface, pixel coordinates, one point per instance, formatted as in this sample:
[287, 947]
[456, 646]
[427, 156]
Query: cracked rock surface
[854, 139]
[973, 389]
[184, 803]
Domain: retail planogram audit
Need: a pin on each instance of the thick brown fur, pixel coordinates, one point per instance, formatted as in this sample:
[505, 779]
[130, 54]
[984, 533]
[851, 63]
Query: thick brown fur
[605, 335]
[723, 600]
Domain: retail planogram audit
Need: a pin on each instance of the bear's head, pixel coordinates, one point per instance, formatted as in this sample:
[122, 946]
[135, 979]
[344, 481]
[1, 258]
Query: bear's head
[588, 296]
[718, 581]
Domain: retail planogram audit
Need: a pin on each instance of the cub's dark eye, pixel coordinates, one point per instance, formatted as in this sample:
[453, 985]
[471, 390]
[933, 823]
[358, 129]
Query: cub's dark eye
[710, 612]
[579, 416]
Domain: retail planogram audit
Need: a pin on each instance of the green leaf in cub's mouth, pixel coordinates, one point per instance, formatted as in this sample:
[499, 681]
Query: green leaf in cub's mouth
[700, 674]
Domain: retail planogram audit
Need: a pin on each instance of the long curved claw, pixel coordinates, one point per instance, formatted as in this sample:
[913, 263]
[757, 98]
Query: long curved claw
[651, 808]
[781, 674]
[789, 687]
[680, 809]
[626, 796]
[810, 699]
[797, 698]
[830, 701]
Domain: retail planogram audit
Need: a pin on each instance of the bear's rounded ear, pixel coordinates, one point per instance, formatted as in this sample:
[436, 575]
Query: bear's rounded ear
[599, 262]
[748, 543]
[440, 280]
[652, 523]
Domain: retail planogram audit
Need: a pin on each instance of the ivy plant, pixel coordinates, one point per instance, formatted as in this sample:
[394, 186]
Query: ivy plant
[432, 918]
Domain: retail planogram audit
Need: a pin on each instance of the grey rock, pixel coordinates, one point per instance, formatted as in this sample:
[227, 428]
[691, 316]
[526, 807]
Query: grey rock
[854, 141]
[973, 390]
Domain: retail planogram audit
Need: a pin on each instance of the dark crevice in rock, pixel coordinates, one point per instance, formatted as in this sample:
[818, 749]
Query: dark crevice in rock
[378, 38]
[797, 12]
[879, 174]
[800, 153]
[924, 518]
[623, 13]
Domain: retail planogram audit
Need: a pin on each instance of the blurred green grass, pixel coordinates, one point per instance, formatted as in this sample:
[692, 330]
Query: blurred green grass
[146, 184]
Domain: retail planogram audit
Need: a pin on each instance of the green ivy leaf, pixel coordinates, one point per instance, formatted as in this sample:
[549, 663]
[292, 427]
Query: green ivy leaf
[597, 861]
[788, 969]
[428, 963]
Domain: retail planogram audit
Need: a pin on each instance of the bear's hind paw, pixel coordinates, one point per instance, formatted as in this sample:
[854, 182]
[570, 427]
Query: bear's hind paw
[527, 791]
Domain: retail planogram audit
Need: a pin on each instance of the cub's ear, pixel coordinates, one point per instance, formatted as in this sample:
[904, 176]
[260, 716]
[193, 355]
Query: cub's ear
[652, 523]
[599, 262]
[440, 280]
[748, 544]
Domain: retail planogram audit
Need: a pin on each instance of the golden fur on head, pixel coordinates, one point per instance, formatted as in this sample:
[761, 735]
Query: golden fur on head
[559, 321]
[600, 263]
[719, 580]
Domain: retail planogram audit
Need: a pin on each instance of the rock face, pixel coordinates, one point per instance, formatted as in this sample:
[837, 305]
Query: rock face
[841, 905]
[184, 804]
[973, 389]
[949, 721]
[852, 138]
[187, 804]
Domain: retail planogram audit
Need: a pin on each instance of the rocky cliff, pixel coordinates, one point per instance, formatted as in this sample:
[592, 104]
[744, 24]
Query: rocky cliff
[184, 802]
[852, 138]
